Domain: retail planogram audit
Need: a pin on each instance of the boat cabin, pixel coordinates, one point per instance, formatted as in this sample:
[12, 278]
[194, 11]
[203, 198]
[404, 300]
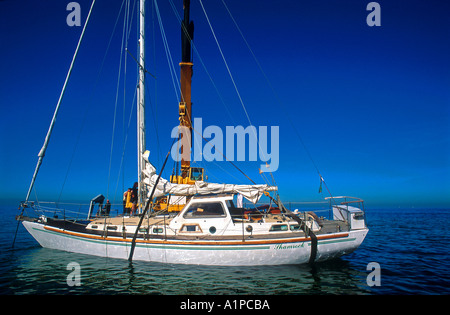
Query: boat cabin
[217, 215]
[202, 214]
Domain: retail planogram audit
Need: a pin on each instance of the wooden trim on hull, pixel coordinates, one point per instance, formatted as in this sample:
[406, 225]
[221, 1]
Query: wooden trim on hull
[190, 242]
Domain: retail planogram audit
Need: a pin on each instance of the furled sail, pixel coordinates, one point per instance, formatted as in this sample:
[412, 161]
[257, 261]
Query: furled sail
[251, 192]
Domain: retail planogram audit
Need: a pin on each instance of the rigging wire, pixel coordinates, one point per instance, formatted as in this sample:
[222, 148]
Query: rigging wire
[117, 98]
[155, 81]
[179, 19]
[234, 83]
[124, 100]
[217, 91]
[88, 107]
[173, 74]
[175, 77]
[226, 159]
[125, 130]
[55, 114]
[277, 98]
[124, 147]
[154, 116]
[170, 61]
[219, 94]
[225, 62]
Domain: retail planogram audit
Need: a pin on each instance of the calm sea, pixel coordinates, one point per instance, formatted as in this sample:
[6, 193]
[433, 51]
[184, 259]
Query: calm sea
[410, 245]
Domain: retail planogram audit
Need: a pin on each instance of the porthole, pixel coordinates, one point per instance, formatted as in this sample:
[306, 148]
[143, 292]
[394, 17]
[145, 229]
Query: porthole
[157, 230]
[212, 229]
[249, 228]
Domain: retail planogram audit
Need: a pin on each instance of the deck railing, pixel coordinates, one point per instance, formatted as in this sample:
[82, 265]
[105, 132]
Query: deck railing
[79, 211]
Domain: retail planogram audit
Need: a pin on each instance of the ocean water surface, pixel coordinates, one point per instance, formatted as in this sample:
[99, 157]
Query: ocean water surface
[411, 247]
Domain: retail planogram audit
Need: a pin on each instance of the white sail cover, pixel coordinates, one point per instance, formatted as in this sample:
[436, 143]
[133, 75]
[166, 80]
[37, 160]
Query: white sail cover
[251, 192]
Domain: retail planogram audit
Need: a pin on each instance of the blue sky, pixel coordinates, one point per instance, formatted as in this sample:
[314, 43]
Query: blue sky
[371, 104]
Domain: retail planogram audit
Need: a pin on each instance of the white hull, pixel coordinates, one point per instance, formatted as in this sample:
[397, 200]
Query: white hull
[228, 253]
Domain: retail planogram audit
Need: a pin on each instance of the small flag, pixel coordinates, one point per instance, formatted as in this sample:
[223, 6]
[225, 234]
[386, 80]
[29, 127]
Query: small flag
[320, 187]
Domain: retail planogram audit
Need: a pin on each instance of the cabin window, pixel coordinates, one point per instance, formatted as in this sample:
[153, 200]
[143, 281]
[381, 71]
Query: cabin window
[278, 227]
[111, 228]
[295, 227]
[191, 228]
[157, 230]
[205, 209]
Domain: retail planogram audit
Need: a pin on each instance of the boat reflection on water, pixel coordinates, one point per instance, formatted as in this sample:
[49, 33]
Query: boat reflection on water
[45, 271]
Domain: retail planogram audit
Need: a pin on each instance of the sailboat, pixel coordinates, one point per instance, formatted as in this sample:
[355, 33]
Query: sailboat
[203, 226]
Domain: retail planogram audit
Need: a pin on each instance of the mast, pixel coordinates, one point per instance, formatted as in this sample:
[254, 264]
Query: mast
[185, 106]
[141, 101]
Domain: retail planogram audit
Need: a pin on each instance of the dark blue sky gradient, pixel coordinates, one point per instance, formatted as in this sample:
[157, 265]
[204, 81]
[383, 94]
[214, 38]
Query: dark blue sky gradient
[371, 104]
